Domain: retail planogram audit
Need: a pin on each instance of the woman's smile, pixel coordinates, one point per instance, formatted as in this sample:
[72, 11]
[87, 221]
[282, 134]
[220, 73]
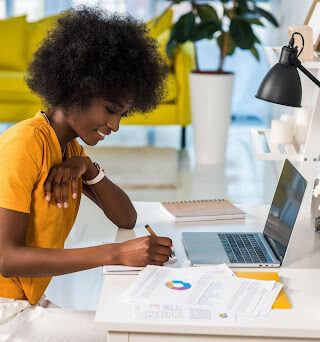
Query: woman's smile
[101, 135]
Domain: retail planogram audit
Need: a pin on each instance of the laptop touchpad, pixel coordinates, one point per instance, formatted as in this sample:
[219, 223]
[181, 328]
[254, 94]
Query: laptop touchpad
[204, 248]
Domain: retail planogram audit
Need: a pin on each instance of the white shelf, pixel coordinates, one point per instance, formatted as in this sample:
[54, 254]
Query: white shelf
[276, 152]
[273, 54]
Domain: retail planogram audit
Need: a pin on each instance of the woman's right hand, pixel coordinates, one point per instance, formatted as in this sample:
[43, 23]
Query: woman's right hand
[147, 250]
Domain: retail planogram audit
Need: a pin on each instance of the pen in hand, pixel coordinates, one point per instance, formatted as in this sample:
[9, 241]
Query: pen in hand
[149, 229]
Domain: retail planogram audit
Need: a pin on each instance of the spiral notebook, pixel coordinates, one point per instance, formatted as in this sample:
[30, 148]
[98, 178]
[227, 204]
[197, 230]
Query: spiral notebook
[201, 210]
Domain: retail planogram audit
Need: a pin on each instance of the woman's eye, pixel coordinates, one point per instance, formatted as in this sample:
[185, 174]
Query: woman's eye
[109, 110]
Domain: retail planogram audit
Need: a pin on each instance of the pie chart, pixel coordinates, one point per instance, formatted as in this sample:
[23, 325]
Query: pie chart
[177, 285]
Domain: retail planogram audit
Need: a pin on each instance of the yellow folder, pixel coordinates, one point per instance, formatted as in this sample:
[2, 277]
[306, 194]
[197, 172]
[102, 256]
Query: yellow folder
[282, 301]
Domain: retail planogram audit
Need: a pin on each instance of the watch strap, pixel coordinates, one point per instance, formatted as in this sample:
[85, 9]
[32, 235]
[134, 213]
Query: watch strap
[98, 177]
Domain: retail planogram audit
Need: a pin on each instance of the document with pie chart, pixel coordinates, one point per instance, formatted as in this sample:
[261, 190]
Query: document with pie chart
[217, 291]
[166, 285]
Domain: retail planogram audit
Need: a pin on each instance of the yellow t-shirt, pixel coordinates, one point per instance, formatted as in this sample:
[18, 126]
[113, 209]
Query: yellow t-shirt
[28, 150]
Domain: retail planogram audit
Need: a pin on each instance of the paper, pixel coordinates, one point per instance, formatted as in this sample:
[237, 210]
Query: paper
[158, 312]
[282, 301]
[158, 285]
[221, 269]
[267, 305]
[208, 288]
[169, 312]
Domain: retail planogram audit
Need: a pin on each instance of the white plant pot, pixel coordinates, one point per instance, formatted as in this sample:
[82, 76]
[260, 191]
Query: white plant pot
[211, 106]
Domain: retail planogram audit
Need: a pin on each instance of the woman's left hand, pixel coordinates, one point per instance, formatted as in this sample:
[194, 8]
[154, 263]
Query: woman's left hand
[57, 182]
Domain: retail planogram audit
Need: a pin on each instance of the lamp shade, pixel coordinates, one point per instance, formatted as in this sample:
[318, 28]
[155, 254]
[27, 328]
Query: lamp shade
[281, 85]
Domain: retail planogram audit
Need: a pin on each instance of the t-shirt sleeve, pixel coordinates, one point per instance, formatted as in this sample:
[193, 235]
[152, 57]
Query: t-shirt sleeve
[82, 153]
[20, 164]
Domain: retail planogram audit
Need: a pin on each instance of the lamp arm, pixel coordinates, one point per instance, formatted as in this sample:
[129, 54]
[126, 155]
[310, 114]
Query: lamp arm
[292, 58]
[308, 74]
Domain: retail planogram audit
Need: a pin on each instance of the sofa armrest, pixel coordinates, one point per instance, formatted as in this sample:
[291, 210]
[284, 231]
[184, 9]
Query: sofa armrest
[184, 62]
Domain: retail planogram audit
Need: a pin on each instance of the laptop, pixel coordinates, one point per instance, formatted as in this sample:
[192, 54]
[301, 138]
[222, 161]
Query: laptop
[254, 249]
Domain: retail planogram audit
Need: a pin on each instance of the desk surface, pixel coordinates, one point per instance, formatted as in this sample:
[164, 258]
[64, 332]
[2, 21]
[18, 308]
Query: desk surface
[300, 275]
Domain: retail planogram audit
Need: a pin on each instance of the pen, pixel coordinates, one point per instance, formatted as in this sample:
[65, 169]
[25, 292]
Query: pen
[149, 229]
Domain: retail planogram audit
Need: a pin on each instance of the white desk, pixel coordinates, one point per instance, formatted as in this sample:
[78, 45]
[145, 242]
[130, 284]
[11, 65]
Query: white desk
[300, 275]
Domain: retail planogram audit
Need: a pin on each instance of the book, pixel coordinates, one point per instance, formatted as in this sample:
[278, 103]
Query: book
[201, 210]
[122, 269]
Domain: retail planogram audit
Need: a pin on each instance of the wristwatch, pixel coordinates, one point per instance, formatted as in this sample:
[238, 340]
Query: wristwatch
[98, 177]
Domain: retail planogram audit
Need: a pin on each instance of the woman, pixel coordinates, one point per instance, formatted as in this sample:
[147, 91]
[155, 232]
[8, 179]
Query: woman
[91, 70]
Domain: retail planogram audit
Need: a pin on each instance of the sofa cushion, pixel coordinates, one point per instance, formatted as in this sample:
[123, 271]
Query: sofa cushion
[163, 39]
[14, 88]
[35, 33]
[12, 43]
[165, 114]
[163, 24]
[12, 81]
[172, 88]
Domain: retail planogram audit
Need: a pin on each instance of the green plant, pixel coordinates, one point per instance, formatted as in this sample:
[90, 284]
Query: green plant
[232, 29]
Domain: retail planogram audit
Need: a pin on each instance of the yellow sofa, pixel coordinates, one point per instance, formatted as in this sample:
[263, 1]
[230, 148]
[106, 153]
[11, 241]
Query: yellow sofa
[19, 39]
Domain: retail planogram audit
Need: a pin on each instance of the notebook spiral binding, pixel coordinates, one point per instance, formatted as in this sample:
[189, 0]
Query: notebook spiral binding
[196, 201]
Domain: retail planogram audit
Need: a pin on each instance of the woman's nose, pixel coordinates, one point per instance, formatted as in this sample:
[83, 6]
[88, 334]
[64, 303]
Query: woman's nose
[113, 124]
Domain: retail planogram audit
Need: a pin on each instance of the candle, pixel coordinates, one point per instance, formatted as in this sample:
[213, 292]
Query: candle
[287, 118]
[302, 119]
[281, 132]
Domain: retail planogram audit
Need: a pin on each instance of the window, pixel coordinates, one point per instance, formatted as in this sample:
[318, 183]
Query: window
[142, 9]
[33, 8]
[2, 9]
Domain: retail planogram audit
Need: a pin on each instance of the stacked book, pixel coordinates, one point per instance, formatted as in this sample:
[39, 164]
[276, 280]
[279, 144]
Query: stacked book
[201, 210]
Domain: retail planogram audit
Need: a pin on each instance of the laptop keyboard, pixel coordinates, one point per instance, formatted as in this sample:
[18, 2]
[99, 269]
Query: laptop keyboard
[242, 248]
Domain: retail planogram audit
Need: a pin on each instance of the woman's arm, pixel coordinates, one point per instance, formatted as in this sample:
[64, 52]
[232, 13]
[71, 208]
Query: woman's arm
[111, 199]
[24, 261]
[89, 193]
[18, 260]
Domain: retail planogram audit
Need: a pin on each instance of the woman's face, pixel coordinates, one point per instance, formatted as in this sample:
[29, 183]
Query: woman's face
[101, 115]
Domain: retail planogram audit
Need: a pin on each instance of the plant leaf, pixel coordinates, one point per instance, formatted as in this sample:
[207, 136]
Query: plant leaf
[251, 20]
[257, 40]
[183, 28]
[206, 12]
[204, 30]
[231, 45]
[242, 33]
[171, 45]
[267, 15]
[243, 5]
[255, 52]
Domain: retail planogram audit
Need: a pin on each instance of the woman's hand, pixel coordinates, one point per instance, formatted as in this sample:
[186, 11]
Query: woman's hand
[147, 250]
[59, 176]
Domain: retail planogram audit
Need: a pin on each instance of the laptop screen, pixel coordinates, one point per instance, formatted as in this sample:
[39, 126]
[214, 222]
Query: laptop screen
[284, 209]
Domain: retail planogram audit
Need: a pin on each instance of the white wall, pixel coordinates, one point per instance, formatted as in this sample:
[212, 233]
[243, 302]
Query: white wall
[288, 12]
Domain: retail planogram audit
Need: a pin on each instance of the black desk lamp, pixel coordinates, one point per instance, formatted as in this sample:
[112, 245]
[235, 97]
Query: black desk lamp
[282, 84]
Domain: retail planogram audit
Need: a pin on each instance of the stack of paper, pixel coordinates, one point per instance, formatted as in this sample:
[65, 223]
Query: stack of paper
[205, 293]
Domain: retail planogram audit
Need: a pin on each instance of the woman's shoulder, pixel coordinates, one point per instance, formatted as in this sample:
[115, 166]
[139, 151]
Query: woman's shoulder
[24, 134]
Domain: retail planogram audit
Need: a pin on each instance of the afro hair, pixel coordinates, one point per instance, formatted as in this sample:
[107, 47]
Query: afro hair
[90, 53]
